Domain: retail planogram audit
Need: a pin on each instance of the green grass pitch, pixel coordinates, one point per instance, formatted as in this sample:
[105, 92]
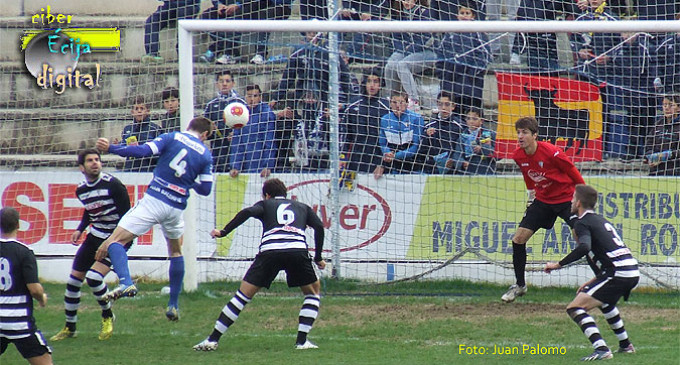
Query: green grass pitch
[442, 322]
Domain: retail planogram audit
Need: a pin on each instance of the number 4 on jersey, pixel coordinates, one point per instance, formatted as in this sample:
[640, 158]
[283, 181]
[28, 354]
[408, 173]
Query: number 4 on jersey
[177, 164]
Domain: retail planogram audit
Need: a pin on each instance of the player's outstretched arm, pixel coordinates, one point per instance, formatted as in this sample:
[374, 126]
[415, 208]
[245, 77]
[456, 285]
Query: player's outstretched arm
[131, 151]
[315, 223]
[238, 219]
[103, 144]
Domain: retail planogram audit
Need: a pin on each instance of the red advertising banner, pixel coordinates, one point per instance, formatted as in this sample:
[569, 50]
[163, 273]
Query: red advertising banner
[569, 113]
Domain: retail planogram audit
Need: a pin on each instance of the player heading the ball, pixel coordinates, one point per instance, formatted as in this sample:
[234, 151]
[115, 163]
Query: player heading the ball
[183, 158]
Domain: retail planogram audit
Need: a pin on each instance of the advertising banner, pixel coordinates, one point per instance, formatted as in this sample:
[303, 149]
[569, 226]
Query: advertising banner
[485, 213]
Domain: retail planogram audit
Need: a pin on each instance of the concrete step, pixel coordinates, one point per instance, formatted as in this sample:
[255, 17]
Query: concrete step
[41, 130]
[121, 81]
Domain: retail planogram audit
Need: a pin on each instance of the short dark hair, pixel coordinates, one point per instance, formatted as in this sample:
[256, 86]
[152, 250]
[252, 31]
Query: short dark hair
[169, 92]
[274, 187]
[253, 87]
[83, 154]
[468, 5]
[139, 100]
[529, 123]
[445, 94]
[200, 125]
[399, 94]
[223, 73]
[9, 220]
[476, 110]
[373, 71]
[673, 97]
[587, 195]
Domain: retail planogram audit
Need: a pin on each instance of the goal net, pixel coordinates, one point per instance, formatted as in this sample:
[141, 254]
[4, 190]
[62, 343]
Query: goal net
[398, 132]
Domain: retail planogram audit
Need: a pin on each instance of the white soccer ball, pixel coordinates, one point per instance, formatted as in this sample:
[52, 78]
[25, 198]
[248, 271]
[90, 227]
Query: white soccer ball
[236, 115]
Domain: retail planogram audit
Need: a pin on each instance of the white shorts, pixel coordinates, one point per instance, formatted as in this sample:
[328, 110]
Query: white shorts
[149, 211]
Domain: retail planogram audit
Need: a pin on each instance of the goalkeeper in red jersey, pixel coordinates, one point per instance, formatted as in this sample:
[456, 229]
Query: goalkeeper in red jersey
[550, 177]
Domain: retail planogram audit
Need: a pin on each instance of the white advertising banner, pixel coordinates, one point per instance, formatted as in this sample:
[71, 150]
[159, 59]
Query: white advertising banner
[371, 219]
[50, 211]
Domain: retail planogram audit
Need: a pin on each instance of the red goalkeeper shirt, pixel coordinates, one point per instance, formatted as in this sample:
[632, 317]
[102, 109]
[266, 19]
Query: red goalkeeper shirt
[549, 172]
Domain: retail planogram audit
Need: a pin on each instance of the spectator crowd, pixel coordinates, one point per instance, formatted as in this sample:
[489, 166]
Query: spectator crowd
[385, 126]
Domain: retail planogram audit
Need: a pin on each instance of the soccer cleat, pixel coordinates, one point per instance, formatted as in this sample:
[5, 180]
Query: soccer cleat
[172, 313]
[119, 292]
[64, 334]
[206, 345]
[598, 355]
[626, 350]
[225, 60]
[107, 328]
[514, 292]
[305, 346]
[207, 57]
[150, 58]
[257, 60]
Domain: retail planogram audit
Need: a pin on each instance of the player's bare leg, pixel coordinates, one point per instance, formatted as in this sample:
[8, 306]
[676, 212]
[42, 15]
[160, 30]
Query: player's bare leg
[308, 314]
[44, 359]
[519, 262]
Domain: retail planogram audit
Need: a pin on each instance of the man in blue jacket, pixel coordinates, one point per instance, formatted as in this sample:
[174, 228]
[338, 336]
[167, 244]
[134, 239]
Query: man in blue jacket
[399, 140]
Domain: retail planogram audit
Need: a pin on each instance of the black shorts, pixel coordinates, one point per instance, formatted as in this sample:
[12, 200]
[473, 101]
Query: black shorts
[609, 289]
[543, 215]
[297, 264]
[31, 346]
[85, 255]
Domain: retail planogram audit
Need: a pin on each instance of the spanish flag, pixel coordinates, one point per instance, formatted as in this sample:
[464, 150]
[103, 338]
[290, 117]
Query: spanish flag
[569, 113]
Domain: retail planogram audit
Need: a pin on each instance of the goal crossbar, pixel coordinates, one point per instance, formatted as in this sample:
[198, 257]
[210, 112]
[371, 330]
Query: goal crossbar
[554, 26]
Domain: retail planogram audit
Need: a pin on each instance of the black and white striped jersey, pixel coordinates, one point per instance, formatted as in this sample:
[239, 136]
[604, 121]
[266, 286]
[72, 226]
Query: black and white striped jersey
[18, 267]
[283, 224]
[106, 200]
[605, 251]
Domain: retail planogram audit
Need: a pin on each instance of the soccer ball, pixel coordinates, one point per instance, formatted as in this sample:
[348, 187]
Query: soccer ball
[236, 115]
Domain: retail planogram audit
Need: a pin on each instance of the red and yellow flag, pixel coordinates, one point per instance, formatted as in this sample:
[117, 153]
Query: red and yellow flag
[569, 113]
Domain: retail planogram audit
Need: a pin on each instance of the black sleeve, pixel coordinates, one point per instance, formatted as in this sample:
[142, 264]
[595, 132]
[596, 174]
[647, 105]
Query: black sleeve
[316, 224]
[240, 217]
[120, 197]
[84, 221]
[29, 267]
[583, 245]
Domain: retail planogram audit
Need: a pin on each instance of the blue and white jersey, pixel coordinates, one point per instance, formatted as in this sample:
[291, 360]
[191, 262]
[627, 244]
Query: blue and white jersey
[183, 159]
